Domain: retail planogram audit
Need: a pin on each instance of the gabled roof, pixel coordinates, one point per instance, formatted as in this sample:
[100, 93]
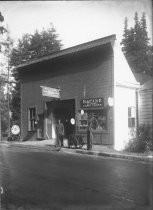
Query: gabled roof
[78, 48]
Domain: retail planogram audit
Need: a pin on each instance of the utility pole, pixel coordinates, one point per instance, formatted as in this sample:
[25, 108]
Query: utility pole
[6, 43]
[0, 117]
[0, 123]
[8, 93]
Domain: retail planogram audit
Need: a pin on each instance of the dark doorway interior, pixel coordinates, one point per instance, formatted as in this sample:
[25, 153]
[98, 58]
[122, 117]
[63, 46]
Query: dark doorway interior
[40, 127]
[64, 110]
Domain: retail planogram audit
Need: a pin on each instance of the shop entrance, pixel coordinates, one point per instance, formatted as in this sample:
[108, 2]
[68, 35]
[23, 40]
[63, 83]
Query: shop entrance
[60, 109]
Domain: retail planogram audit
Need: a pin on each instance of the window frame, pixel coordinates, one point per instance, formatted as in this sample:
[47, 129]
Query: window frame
[82, 123]
[31, 126]
[131, 119]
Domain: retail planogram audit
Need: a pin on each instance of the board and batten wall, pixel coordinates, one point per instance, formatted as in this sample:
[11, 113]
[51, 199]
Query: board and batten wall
[145, 104]
[96, 77]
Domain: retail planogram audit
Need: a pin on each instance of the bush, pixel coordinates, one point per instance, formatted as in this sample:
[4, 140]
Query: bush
[13, 138]
[143, 142]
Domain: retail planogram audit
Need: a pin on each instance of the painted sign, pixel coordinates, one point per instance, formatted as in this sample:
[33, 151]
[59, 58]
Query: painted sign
[92, 102]
[50, 92]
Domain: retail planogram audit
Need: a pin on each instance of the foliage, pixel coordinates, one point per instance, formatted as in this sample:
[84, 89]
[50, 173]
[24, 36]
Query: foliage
[143, 142]
[33, 46]
[30, 47]
[136, 47]
[3, 107]
[14, 138]
[15, 105]
[2, 28]
[3, 100]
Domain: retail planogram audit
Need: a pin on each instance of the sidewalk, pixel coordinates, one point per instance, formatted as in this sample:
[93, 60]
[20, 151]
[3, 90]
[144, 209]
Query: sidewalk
[97, 150]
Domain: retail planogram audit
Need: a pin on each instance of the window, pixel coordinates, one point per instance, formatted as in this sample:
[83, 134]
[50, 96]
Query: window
[82, 121]
[31, 118]
[97, 117]
[131, 117]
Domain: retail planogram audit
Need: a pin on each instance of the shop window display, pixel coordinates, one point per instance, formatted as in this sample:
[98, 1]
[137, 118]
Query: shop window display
[97, 118]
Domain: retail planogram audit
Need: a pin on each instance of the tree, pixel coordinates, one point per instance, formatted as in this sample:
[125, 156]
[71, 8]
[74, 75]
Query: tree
[2, 28]
[30, 47]
[33, 46]
[3, 99]
[136, 47]
[3, 108]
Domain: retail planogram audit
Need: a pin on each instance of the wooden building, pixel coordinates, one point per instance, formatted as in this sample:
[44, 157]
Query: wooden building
[145, 99]
[84, 82]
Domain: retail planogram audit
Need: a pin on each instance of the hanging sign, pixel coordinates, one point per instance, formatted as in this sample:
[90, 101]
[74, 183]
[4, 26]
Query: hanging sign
[92, 102]
[50, 92]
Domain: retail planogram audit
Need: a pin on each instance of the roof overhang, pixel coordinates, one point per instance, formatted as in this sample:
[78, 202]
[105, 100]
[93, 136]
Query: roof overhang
[76, 49]
[128, 85]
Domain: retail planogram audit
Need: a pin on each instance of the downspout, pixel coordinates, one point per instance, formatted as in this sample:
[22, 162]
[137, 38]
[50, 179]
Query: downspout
[113, 94]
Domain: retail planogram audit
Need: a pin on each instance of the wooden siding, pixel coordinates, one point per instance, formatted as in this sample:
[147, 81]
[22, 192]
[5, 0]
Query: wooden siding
[96, 80]
[145, 106]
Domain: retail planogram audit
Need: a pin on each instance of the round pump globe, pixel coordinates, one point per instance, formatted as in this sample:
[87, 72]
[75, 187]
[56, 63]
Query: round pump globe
[82, 111]
[72, 121]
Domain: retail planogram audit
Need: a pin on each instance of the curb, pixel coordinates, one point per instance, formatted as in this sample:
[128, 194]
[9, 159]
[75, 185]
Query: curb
[112, 155]
[121, 156]
[83, 152]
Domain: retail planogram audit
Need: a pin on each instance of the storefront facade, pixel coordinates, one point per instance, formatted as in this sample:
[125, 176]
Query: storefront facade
[75, 84]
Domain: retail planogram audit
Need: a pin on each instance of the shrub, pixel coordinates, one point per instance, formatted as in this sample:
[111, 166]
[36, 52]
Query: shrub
[143, 142]
[13, 138]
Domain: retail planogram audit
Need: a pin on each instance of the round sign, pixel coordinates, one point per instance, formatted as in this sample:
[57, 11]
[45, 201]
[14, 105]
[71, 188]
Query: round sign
[15, 129]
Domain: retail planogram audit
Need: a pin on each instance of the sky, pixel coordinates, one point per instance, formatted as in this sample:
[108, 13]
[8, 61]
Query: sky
[76, 22]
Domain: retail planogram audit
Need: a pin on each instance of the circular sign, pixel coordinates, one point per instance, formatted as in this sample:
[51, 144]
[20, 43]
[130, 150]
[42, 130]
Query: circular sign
[15, 129]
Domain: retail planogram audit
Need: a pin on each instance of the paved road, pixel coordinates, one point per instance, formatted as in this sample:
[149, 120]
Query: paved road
[34, 179]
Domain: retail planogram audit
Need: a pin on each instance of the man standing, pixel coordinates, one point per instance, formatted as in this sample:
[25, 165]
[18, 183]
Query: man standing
[60, 132]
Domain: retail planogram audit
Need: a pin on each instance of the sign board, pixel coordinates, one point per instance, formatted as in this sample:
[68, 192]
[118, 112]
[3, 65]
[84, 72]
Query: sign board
[15, 129]
[50, 92]
[92, 102]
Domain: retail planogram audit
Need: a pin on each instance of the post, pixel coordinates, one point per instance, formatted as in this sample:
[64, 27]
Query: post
[8, 94]
[0, 120]
[0, 125]
[137, 113]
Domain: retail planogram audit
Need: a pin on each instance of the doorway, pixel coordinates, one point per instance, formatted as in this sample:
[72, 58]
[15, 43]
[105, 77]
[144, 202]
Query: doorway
[60, 109]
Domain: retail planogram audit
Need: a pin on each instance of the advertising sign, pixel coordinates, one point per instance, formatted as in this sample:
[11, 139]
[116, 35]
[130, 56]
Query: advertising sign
[92, 102]
[50, 92]
[15, 129]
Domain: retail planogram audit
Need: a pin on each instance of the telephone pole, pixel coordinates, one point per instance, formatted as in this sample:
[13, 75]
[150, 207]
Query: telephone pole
[7, 43]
